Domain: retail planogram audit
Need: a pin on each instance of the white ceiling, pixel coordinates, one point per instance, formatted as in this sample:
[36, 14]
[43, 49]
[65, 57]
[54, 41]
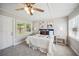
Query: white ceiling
[52, 10]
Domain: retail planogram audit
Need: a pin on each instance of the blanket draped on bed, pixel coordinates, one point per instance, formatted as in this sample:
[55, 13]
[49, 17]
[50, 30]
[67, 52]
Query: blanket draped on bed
[41, 42]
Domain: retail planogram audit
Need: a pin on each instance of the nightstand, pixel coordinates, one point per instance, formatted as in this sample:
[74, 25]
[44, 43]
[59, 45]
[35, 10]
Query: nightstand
[59, 40]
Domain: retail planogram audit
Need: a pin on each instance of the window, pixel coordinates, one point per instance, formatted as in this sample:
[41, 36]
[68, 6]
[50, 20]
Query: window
[23, 28]
[74, 27]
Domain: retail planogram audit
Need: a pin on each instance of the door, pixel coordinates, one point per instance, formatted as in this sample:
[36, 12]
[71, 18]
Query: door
[7, 40]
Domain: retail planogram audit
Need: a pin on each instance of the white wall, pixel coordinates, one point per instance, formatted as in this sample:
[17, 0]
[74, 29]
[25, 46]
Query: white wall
[41, 24]
[20, 37]
[73, 37]
[0, 33]
[59, 25]
[16, 38]
[6, 30]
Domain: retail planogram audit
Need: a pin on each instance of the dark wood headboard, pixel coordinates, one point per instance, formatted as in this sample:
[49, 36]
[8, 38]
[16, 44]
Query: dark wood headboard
[45, 31]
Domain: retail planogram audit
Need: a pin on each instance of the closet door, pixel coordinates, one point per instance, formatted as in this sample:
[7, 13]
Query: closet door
[6, 27]
[1, 44]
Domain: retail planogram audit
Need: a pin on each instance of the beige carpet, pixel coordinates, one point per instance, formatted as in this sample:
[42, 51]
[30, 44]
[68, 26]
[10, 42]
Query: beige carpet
[23, 50]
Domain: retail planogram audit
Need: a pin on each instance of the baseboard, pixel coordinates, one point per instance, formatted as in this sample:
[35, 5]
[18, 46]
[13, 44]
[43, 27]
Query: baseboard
[5, 47]
[74, 50]
[12, 45]
[19, 42]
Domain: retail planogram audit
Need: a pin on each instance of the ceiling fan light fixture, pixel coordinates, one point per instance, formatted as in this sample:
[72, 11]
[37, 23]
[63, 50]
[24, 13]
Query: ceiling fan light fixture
[27, 10]
[32, 11]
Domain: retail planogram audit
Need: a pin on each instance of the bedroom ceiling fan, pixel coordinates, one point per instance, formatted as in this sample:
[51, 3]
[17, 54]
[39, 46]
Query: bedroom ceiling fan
[29, 8]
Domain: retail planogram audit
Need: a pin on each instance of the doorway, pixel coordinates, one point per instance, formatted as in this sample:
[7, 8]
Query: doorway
[6, 38]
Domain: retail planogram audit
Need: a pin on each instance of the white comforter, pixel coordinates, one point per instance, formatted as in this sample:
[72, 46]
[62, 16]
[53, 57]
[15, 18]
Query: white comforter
[40, 41]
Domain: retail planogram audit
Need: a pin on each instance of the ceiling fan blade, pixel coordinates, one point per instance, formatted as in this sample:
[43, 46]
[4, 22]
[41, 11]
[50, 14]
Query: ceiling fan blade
[29, 4]
[30, 11]
[19, 9]
[37, 9]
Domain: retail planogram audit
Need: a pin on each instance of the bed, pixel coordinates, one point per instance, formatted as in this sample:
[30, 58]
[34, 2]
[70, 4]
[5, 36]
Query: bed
[41, 41]
[38, 41]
